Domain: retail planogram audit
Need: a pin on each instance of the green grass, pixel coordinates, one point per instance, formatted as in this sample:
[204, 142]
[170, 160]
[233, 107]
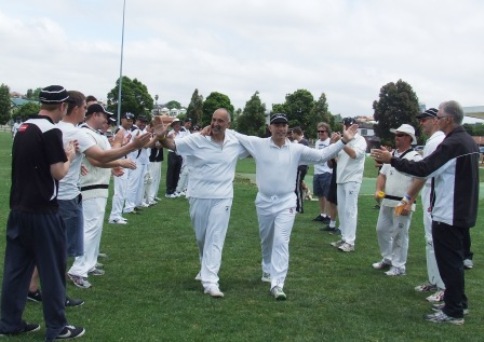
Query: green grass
[149, 294]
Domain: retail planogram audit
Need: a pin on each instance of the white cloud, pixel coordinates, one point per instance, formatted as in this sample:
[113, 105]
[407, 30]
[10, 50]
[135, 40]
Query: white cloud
[347, 49]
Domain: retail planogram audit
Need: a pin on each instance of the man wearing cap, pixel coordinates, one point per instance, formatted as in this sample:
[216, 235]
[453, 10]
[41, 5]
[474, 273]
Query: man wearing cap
[94, 189]
[276, 161]
[69, 197]
[210, 191]
[36, 233]
[397, 207]
[349, 175]
[454, 165]
[175, 162]
[430, 127]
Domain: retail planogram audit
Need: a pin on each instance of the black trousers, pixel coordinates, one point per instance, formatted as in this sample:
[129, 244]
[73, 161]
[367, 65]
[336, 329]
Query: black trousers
[173, 172]
[449, 253]
[302, 170]
[34, 239]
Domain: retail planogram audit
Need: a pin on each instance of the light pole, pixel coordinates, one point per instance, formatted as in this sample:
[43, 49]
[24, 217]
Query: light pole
[121, 67]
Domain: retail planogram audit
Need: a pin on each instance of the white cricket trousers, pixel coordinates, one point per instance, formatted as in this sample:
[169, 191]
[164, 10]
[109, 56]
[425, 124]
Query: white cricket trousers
[93, 212]
[134, 179]
[432, 268]
[210, 220]
[183, 180]
[119, 196]
[141, 186]
[276, 216]
[348, 210]
[392, 234]
[155, 172]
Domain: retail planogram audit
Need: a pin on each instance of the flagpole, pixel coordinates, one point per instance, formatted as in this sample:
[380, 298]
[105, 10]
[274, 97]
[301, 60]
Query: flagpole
[121, 67]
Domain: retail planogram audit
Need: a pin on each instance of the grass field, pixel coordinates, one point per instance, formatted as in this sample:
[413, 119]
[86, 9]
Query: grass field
[149, 292]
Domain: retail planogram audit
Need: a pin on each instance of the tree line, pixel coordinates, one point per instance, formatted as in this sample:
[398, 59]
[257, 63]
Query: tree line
[397, 104]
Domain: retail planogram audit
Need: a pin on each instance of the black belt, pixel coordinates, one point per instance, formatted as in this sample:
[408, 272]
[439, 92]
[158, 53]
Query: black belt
[396, 198]
[95, 186]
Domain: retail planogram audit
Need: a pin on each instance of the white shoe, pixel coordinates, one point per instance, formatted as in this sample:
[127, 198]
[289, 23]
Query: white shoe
[468, 264]
[214, 292]
[346, 247]
[380, 265]
[171, 195]
[198, 277]
[436, 297]
[118, 221]
[337, 243]
[278, 293]
[426, 287]
[266, 277]
[395, 271]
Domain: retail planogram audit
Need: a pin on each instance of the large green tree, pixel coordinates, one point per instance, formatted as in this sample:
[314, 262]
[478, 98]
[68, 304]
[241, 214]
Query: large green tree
[173, 104]
[319, 113]
[397, 105]
[135, 97]
[214, 101]
[33, 94]
[252, 121]
[5, 104]
[298, 107]
[195, 108]
[26, 110]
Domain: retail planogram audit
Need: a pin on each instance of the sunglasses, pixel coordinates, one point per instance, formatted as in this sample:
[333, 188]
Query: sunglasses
[400, 135]
[322, 131]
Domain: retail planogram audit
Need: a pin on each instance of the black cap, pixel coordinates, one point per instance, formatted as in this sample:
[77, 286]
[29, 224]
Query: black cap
[348, 121]
[142, 118]
[279, 118]
[53, 94]
[429, 113]
[97, 108]
[128, 115]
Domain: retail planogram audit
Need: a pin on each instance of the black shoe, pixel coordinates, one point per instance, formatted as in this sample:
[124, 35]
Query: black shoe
[28, 328]
[70, 332]
[320, 218]
[71, 302]
[335, 231]
[35, 296]
[327, 229]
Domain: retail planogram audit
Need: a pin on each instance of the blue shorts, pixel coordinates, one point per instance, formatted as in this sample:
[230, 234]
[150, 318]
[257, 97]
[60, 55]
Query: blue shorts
[71, 213]
[321, 184]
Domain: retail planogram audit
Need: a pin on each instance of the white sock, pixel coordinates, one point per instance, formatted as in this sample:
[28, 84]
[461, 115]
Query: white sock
[332, 224]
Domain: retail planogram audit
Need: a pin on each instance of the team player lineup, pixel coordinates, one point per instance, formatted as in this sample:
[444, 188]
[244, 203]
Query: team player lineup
[213, 153]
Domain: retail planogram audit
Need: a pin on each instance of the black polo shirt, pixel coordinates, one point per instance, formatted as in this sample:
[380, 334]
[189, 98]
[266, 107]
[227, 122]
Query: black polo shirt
[37, 145]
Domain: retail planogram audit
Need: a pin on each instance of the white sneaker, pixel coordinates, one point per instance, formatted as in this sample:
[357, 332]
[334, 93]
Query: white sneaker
[171, 195]
[277, 293]
[346, 247]
[395, 271]
[380, 265]
[468, 264]
[118, 221]
[426, 287]
[214, 292]
[198, 277]
[337, 243]
[436, 297]
[266, 277]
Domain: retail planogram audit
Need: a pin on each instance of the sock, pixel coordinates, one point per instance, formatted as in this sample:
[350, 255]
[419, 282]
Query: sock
[332, 224]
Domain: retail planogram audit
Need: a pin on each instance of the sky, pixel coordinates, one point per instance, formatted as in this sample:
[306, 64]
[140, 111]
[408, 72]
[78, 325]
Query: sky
[346, 49]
